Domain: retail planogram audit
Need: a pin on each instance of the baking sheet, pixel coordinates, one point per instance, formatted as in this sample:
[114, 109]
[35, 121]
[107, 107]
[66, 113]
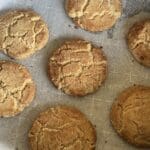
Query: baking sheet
[124, 71]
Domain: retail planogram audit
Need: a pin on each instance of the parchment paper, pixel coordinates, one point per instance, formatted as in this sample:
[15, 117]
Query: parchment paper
[124, 71]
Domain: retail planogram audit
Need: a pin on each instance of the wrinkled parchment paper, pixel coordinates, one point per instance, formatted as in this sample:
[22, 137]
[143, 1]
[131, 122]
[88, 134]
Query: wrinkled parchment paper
[124, 71]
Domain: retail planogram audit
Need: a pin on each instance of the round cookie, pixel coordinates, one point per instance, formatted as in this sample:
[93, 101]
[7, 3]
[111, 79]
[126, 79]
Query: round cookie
[139, 41]
[130, 115]
[23, 32]
[62, 127]
[94, 15]
[77, 67]
[17, 89]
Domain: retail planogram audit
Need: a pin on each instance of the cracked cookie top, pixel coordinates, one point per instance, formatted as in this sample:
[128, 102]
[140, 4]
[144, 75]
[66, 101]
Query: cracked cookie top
[130, 115]
[23, 32]
[77, 67]
[17, 89]
[139, 41]
[62, 128]
[94, 15]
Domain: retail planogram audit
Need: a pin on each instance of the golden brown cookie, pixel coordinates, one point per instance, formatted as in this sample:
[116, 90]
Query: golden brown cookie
[130, 115]
[77, 67]
[62, 128]
[17, 89]
[23, 32]
[94, 15]
[139, 41]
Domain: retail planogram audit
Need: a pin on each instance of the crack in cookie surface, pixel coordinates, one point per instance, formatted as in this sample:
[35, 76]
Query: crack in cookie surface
[23, 33]
[138, 40]
[16, 88]
[70, 130]
[78, 70]
[131, 121]
[94, 15]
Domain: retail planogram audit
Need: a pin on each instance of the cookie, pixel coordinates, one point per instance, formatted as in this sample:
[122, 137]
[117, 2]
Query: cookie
[94, 15]
[138, 40]
[130, 115]
[17, 89]
[23, 32]
[77, 67]
[62, 127]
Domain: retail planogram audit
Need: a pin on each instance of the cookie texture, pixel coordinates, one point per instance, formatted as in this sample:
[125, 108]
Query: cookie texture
[77, 67]
[94, 15]
[17, 89]
[130, 115]
[139, 41]
[62, 128]
[23, 32]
